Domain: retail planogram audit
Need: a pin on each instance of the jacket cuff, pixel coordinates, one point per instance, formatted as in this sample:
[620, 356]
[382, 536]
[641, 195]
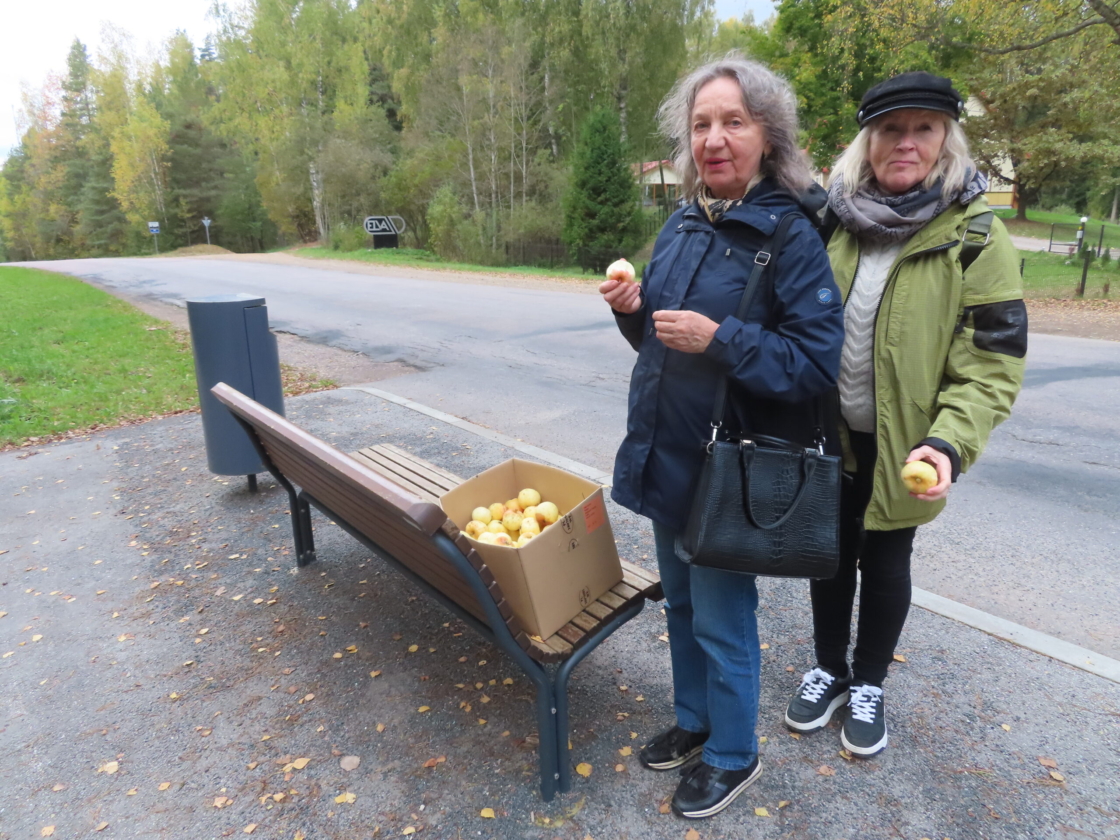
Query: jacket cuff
[947, 449]
[725, 332]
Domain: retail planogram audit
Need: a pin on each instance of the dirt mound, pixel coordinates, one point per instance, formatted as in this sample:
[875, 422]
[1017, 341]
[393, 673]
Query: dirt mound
[197, 251]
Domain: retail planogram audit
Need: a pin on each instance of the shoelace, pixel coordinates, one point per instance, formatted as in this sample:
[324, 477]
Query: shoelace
[699, 775]
[814, 683]
[863, 700]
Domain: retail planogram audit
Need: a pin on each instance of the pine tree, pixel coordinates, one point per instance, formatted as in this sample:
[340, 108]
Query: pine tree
[601, 213]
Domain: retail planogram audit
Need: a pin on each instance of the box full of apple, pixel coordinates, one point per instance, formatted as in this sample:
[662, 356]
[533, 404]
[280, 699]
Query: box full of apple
[544, 534]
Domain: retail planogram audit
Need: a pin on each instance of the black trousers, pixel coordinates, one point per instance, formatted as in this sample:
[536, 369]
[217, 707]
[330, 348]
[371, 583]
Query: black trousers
[883, 559]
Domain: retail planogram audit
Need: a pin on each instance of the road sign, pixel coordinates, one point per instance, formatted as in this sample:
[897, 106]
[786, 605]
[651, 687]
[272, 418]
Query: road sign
[153, 228]
[206, 222]
[384, 225]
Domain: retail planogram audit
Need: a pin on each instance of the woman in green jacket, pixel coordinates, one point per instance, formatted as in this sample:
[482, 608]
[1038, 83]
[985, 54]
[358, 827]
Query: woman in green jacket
[934, 348]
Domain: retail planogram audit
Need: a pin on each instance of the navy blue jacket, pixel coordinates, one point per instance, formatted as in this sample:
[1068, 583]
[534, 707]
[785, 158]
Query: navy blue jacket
[783, 357]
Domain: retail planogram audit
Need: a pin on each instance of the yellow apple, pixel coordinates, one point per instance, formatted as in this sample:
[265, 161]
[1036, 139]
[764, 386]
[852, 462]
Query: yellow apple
[503, 539]
[512, 521]
[487, 537]
[919, 477]
[529, 525]
[496, 527]
[475, 527]
[528, 498]
[524, 538]
[547, 513]
[482, 515]
[497, 511]
[530, 512]
[513, 505]
[621, 270]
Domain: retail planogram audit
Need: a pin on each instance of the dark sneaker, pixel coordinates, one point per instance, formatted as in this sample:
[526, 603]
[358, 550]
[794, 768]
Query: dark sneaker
[707, 790]
[819, 695]
[672, 748]
[865, 731]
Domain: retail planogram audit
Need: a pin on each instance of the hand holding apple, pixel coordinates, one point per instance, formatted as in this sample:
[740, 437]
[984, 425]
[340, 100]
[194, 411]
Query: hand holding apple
[941, 466]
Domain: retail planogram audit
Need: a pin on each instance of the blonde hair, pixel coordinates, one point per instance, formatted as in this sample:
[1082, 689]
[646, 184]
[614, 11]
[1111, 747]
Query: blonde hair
[954, 165]
[770, 101]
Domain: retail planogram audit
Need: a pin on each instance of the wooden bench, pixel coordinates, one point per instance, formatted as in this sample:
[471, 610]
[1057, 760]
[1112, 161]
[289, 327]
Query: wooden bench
[387, 499]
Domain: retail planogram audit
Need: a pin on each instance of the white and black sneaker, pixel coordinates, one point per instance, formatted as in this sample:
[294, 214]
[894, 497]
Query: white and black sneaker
[819, 695]
[864, 733]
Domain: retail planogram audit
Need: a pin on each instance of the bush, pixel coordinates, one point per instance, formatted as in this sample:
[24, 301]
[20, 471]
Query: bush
[445, 223]
[346, 237]
[602, 215]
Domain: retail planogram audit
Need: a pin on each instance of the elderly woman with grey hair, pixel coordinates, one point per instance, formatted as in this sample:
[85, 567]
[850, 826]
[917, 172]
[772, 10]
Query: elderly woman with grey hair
[734, 125]
[936, 336]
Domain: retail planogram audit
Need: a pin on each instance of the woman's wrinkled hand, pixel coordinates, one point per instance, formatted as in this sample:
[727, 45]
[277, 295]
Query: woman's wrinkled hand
[689, 332]
[940, 462]
[622, 296]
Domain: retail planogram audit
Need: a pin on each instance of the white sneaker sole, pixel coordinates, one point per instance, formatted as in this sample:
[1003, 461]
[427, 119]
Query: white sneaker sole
[822, 721]
[676, 762]
[727, 800]
[864, 752]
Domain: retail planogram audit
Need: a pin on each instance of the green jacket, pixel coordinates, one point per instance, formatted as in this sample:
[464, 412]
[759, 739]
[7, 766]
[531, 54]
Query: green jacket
[949, 352]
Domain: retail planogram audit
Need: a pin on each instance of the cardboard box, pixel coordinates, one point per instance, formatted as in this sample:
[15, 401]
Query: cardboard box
[557, 574]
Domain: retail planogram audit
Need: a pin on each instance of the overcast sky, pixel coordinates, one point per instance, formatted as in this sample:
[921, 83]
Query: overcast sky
[37, 35]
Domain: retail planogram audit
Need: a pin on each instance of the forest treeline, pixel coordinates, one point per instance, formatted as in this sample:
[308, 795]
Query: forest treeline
[297, 118]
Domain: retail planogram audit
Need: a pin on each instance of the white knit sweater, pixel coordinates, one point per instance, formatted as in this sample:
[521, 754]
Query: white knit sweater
[857, 361]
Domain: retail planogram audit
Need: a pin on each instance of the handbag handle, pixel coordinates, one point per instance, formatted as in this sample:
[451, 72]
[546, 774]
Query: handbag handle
[808, 467]
[763, 259]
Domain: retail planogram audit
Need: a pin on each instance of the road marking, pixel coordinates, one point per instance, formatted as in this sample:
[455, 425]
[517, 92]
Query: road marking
[1001, 628]
[588, 472]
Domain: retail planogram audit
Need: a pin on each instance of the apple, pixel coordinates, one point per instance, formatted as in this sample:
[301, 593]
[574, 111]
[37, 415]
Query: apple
[487, 537]
[528, 498]
[482, 514]
[919, 477]
[475, 527]
[529, 525]
[497, 511]
[524, 538]
[503, 539]
[621, 270]
[496, 527]
[512, 521]
[547, 513]
[513, 505]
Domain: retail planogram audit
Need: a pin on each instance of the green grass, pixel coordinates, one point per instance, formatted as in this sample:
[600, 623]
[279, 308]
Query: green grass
[1054, 275]
[73, 357]
[1039, 221]
[413, 258]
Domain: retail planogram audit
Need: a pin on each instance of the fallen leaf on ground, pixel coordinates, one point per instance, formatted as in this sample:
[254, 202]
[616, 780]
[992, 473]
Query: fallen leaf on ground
[761, 812]
[796, 736]
[1056, 776]
[424, 709]
[846, 755]
[692, 834]
[346, 797]
[375, 673]
[352, 649]
[111, 767]
[763, 646]
[46, 831]
[59, 787]
[380, 727]
[221, 801]
[825, 770]
[584, 769]
[898, 657]
[101, 826]
[1005, 727]
[337, 656]
[349, 762]
[1048, 762]
[620, 768]
[408, 829]
[783, 803]
[413, 648]
[488, 813]
[664, 808]
[164, 785]
[250, 828]
[625, 751]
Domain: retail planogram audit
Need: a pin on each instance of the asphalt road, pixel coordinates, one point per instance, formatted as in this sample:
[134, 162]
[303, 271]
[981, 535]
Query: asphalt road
[1031, 534]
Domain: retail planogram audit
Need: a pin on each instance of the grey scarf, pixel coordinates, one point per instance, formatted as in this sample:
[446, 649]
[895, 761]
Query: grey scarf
[893, 218]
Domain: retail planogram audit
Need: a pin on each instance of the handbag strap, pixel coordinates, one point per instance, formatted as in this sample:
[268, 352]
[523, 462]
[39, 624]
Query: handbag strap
[762, 260]
[809, 460]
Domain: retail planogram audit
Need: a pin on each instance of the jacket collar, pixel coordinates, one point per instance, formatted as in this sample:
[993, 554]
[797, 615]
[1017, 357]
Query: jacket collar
[762, 208]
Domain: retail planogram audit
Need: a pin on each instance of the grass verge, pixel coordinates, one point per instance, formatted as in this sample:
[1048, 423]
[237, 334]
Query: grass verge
[1057, 276]
[413, 258]
[1039, 221]
[74, 359]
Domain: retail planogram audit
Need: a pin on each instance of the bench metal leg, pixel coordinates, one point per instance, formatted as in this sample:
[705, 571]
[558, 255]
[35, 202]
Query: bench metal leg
[563, 673]
[301, 529]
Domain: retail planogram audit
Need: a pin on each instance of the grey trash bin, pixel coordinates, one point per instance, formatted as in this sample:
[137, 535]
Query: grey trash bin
[232, 344]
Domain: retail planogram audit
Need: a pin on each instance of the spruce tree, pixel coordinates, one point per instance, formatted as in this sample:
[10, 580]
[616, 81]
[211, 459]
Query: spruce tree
[602, 219]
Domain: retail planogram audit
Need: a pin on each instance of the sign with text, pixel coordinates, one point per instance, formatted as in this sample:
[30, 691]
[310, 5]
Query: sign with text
[384, 230]
[153, 227]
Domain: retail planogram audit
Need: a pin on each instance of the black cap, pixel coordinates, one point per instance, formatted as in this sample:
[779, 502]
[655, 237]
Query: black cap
[910, 90]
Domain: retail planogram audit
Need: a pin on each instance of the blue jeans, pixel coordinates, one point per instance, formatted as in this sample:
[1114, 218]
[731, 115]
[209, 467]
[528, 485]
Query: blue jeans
[713, 644]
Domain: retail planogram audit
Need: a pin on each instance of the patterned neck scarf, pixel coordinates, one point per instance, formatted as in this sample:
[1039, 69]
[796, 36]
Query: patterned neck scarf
[873, 214]
[715, 208]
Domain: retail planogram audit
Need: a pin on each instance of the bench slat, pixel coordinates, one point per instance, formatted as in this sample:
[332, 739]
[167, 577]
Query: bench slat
[401, 475]
[452, 480]
[612, 600]
[624, 591]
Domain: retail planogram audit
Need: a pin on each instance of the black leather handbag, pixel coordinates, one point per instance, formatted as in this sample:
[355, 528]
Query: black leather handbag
[764, 506]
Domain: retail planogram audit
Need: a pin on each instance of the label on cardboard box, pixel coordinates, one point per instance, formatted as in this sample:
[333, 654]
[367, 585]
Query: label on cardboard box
[554, 576]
